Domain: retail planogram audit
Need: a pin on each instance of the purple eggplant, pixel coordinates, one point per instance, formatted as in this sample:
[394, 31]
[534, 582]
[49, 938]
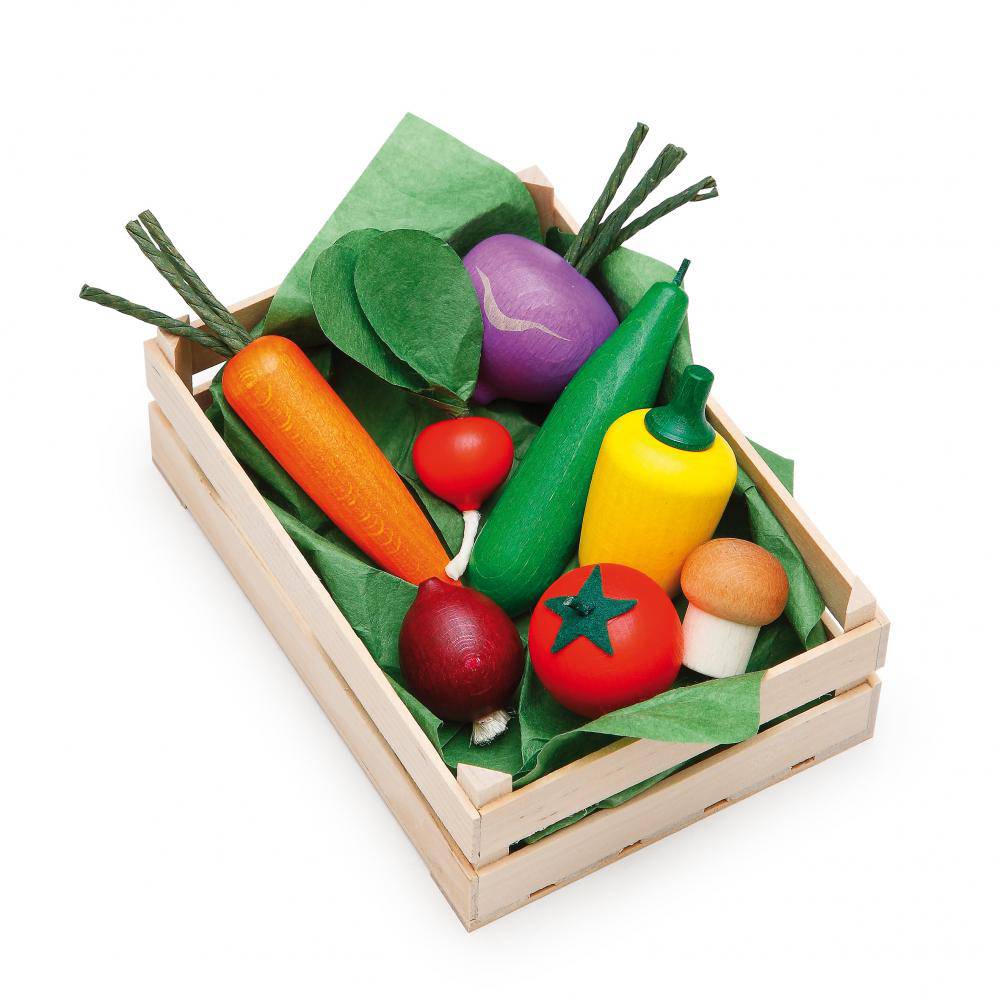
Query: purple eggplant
[542, 317]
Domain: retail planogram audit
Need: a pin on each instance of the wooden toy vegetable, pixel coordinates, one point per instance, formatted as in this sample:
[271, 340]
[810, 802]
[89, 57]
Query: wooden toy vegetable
[603, 637]
[662, 481]
[733, 588]
[463, 461]
[532, 532]
[542, 317]
[461, 656]
[299, 418]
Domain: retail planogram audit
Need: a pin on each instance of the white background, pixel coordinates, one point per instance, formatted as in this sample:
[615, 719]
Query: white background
[177, 817]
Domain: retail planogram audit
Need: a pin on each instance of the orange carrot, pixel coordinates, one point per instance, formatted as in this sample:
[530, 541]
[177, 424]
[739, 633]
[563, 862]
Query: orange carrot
[299, 419]
[309, 430]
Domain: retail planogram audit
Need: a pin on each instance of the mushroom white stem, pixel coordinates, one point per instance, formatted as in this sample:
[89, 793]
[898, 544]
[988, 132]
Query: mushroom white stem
[716, 647]
[489, 727]
[460, 563]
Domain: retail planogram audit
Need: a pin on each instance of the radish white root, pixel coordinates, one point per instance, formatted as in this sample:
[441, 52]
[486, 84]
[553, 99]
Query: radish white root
[457, 567]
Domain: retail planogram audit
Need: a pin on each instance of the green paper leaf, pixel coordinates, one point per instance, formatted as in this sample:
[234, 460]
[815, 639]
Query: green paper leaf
[421, 178]
[726, 710]
[694, 710]
[372, 600]
[341, 317]
[783, 468]
[420, 301]
[805, 605]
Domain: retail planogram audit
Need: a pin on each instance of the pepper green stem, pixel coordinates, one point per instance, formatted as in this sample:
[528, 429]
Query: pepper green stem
[681, 271]
[682, 422]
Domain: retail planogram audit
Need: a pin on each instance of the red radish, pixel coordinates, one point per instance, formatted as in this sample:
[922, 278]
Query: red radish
[461, 656]
[463, 461]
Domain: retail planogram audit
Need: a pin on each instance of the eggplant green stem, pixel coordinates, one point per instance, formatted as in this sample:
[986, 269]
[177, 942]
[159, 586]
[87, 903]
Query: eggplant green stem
[663, 166]
[702, 191]
[614, 182]
[599, 236]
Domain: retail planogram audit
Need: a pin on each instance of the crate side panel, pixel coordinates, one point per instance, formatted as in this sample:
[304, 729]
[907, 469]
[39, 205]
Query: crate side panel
[447, 865]
[840, 663]
[317, 608]
[689, 796]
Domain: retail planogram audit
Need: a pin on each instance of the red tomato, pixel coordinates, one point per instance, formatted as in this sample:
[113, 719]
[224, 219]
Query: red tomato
[463, 460]
[634, 617]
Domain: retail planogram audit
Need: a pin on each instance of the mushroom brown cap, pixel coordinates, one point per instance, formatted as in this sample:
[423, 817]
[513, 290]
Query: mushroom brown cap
[736, 580]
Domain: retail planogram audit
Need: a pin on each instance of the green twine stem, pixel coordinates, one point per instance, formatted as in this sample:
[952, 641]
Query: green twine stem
[188, 273]
[165, 264]
[602, 243]
[702, 191]
[589, 228]
[151, 316]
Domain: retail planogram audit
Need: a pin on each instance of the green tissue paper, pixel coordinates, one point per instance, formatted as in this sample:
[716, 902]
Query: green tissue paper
[424, 179]
[420, 302]
[421, 178]
[341, 318]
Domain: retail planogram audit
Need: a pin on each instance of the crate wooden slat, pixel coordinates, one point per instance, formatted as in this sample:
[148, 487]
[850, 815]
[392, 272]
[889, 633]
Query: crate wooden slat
[447, 864]
[313, 602]
[464, 825]
[840, 663]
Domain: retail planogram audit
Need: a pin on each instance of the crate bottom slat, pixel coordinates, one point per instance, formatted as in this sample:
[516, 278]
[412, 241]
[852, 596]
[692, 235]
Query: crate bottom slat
[480, 896]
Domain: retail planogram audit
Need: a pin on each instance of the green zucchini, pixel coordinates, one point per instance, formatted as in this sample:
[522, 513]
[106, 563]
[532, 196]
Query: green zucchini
[534, 528]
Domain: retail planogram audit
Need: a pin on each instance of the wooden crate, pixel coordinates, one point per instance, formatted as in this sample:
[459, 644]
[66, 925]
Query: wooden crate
[464, 825]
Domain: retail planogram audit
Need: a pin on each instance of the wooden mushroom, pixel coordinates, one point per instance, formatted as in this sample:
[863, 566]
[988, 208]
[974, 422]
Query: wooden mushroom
[733, 587]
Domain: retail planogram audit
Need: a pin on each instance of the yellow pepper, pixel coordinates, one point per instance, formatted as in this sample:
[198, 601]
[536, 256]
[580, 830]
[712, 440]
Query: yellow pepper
[662, 481]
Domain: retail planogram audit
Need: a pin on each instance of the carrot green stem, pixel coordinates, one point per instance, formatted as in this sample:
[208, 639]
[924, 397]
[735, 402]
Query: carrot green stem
[188, 273]
[702, 191]
[589, 228]
[151, 316]
[166, 265]
[607, 233]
